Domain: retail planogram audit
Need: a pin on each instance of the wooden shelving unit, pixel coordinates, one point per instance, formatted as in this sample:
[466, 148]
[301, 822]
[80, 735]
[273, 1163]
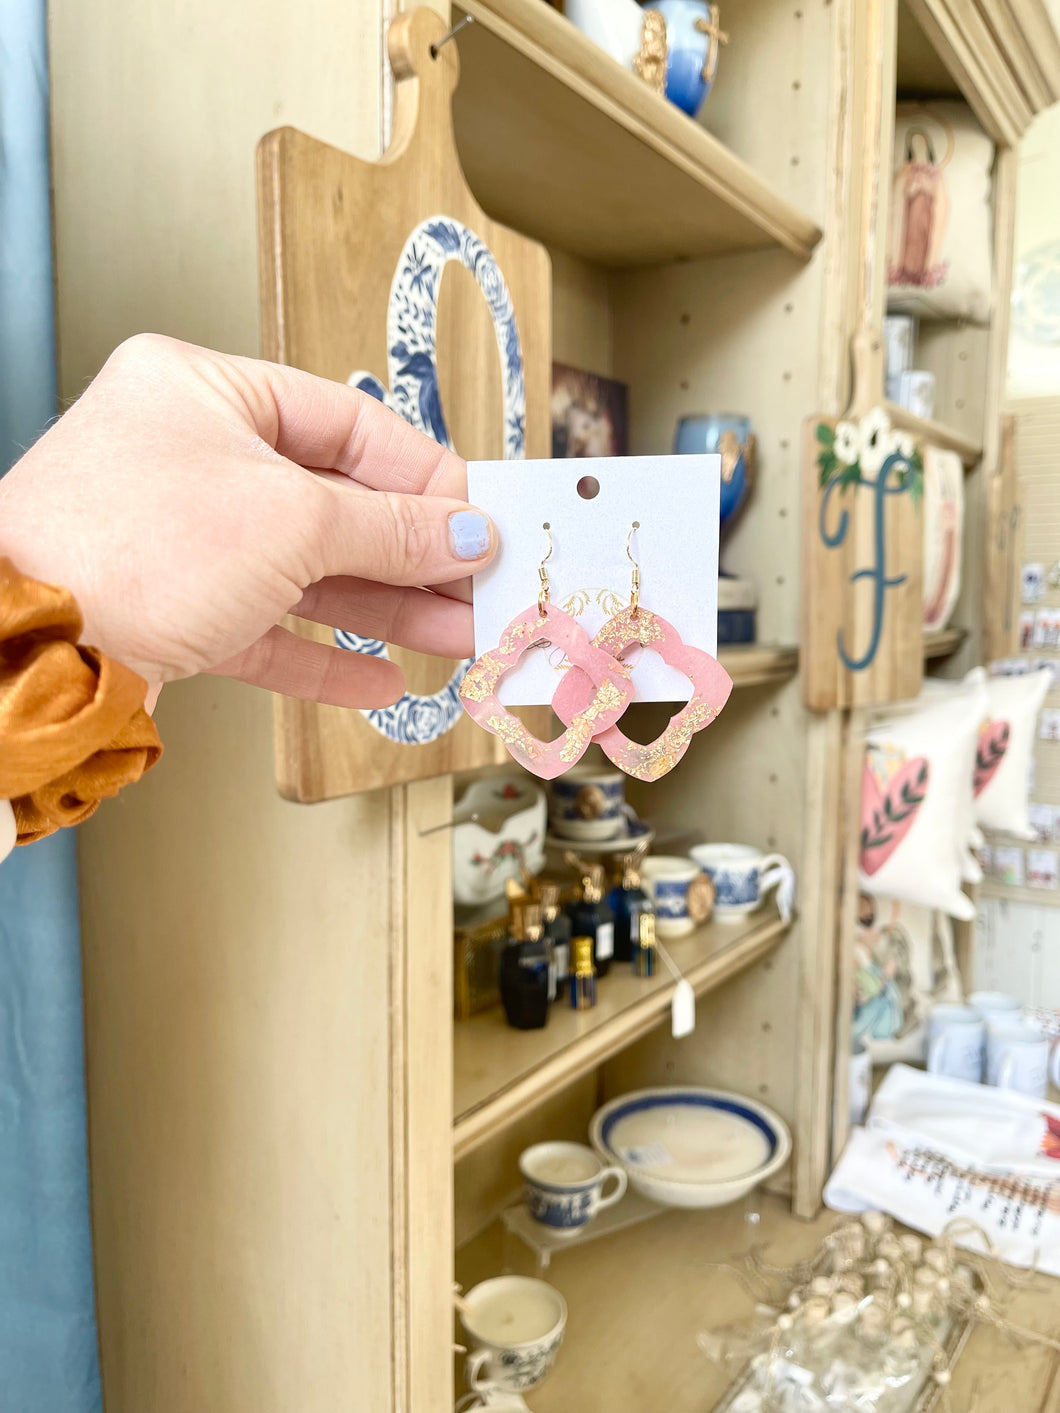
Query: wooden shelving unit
[967, 448]
[754, 664]
[628, 179]
[500, 1072]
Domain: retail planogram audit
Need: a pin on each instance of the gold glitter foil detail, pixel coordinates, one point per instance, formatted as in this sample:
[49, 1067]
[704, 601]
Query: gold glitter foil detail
[513, 733]
[656, 760]
[481, 678]
[624, 630]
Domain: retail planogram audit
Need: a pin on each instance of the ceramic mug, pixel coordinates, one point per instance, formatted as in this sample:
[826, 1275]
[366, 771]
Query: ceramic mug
[563, 1185]
[683, 897]
[955, 1043]
[994, 1005]
[742, 876]
[587, 803]
[1017, 1057]
[515, 1326]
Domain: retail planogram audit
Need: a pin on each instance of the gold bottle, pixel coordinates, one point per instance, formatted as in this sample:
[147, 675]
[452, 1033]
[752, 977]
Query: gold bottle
[583, 977]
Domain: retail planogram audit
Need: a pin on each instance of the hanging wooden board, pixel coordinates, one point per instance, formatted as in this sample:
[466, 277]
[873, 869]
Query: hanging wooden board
[862, 537]
[389, 276]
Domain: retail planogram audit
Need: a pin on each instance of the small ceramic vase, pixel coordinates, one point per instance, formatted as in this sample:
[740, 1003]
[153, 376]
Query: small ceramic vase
[729, 434]
[693, 41]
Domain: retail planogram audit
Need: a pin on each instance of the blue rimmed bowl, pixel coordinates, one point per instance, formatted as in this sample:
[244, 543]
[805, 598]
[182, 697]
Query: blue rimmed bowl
[683, 1146]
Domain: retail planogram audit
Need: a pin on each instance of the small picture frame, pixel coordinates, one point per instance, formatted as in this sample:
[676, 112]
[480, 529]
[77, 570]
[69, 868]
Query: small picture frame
[1049, 724]
[1008, 865]
[590, 414]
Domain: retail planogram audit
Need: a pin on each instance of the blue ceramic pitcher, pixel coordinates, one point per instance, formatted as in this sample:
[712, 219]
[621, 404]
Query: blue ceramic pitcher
[693, 41]
[728, 434]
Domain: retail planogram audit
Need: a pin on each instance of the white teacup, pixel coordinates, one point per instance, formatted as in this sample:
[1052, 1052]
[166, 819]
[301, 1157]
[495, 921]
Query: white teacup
[563, 1184]
[515, 1325]
[993, 1005]
[955, 1043]
[1017, 1057]
[587, 803]
[742, 877]
[683, 898]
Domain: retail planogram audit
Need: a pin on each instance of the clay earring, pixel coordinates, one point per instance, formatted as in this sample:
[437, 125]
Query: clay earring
[711, 685]
[608, 686]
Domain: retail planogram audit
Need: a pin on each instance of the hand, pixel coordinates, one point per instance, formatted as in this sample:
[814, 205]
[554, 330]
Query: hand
[189, 500]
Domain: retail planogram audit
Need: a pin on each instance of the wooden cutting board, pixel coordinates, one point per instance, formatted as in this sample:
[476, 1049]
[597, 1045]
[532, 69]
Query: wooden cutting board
[388, 274]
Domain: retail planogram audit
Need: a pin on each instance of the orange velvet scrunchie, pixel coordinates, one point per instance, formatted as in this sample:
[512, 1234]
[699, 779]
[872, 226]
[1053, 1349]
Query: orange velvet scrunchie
[72, 725]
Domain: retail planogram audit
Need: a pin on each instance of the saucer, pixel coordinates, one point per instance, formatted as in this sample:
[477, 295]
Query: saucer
[621, 844]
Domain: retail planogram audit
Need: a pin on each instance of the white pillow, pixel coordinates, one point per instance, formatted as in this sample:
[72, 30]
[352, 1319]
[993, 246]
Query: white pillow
[1006, 747]
[914, 826]
[941, 224]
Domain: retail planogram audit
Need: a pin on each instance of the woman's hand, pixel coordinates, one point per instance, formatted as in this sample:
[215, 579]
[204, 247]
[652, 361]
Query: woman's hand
[189, 500]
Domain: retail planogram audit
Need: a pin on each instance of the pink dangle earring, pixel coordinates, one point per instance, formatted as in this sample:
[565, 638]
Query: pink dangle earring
[711, 685]
[608, 684]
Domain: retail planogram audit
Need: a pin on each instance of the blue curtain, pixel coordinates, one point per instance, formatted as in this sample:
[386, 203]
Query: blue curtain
[48, 1352]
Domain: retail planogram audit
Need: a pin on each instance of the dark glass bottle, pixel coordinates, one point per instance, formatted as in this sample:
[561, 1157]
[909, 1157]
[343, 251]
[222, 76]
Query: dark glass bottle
[591, 916]
[557, 932]
[643, 960]
[629, 902]
[524, 971]
[583, 975]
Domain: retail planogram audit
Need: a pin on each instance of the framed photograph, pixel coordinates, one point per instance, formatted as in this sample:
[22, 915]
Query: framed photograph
[590, 414]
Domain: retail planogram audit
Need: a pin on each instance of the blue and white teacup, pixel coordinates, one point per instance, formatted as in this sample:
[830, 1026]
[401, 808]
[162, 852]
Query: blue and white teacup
[588, 803]
[515, 1326]
[683, 897]
[742, 877]
[563, 1185]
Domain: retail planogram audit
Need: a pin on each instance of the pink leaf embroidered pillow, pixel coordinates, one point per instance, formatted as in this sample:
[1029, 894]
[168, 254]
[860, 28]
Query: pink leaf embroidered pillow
[914, 812]
[1005, 747]
[941, 224]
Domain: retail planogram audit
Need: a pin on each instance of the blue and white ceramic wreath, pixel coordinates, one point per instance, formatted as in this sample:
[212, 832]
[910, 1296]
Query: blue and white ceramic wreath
[411, 328]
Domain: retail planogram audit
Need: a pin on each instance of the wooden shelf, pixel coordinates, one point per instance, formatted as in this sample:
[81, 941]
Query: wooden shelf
[943, 641]
[499, 1072]
[751, 664]
[967, 448]
[561, 142]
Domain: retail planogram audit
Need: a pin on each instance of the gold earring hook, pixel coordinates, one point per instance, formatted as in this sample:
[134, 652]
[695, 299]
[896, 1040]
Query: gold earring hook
[634, 592]
[542, 573]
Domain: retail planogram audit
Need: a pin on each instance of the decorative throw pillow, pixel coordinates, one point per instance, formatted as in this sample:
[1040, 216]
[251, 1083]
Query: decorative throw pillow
[904, 964]
[913, 825]
[969, 835]
[940, 236]
[943, 532]
[1006, 747]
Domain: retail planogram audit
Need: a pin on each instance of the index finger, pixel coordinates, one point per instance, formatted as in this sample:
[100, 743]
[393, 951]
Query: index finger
[329, 426]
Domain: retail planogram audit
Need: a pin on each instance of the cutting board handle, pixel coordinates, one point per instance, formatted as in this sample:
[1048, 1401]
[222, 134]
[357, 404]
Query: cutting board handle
[426, 82]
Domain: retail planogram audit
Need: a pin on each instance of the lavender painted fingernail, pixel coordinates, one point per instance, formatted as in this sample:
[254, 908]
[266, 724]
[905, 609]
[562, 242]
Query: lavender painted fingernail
[469, 534]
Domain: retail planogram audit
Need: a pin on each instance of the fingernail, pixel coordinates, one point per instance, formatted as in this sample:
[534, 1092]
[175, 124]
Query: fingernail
[469, 534]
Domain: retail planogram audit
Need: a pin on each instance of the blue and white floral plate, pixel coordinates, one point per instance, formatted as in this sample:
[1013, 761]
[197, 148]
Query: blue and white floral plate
[684, 1146]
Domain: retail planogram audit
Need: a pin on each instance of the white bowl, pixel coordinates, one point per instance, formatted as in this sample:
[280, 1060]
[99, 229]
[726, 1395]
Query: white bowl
[511, 826]
[684, 1146]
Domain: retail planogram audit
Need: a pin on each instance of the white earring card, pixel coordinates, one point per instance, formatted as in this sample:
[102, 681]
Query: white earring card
[675, 502]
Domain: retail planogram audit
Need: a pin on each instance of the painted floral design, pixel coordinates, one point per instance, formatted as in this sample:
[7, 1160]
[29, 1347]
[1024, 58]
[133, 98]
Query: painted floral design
[892, 791]
[852, 452]
[412, 319]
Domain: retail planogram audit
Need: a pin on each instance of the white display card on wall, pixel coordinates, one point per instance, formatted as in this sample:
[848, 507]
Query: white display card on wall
[675, 499]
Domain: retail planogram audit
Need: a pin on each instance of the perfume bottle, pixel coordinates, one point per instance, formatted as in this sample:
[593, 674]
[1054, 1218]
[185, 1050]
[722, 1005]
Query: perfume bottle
[629, 902]
[583, 977]
[557, 933]
[643, 959]
[590, 915]
[524, 970]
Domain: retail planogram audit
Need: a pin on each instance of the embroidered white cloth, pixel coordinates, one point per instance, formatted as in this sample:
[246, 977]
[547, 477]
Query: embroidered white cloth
[935, 1149]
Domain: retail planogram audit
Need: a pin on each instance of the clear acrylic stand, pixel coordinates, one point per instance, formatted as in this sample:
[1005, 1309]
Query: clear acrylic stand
[632, 1210]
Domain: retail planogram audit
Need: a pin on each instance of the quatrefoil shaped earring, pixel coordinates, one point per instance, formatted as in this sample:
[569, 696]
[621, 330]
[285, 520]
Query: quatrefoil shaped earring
[608, 685]
[711, 686]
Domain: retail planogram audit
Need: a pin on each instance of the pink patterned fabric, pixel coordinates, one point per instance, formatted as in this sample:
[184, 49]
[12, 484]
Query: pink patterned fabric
[608, 690]
[888, 814]
[711, 686]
